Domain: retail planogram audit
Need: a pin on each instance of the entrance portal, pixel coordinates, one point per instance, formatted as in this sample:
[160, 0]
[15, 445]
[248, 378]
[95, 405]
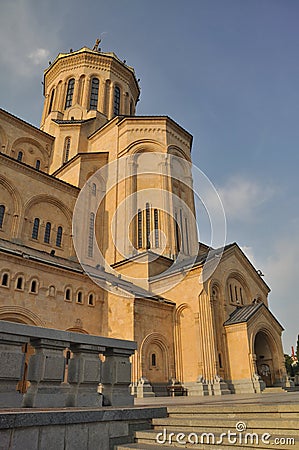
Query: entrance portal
[264, 358]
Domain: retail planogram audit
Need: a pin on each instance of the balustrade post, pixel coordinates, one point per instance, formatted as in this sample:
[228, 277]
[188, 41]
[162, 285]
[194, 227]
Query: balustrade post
[84, 375]
[11, 369]
[117, 377]
[46, 374]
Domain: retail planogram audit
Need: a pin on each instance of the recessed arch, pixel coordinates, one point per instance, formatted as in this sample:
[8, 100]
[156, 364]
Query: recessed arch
[20, 314]
[232, 289]
[177, 151]
[52, 200]
[155, 343]
[77, 330]
[186, 340]
[17, 201]
[214, 282]
[144, 146]
[26, 140]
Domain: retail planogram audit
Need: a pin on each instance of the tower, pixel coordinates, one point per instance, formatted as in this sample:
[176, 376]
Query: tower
[84, 89]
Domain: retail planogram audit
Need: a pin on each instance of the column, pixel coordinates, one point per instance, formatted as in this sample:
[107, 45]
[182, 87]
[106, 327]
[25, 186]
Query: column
[46, 374]
[86, 94]
[117, 377]
[84, 375]
[111, 100]
[102, 97]
[11, 369]
[76, 91]
[131, 208]
[125, 106]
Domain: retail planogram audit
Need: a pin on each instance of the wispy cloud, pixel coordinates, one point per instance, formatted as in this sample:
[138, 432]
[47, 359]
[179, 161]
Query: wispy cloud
[241, 197]
[39, 56]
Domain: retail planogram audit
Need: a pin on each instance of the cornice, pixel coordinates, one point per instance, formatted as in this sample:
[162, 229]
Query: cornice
[11, 118]
[95, 61]
[31, 260]
[38, 174]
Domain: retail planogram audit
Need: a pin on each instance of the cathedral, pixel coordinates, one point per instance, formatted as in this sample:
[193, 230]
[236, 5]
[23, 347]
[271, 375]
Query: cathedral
[98, 236]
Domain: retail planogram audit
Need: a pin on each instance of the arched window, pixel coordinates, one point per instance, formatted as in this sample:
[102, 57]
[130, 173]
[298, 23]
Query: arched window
[91, 235]
[220, 360]
[47, 233]
[51, 101]
[156, 223]
[79, 297]
[68, 294]
[20, 156]
[94, 93]
[182, 236]
[231, 292]
[153, 359]
[66, 151]
[236, 292]
[2, 212]
[177, 233]
[139, 228]
[187, 235]
[147, 225]
[35, 228]
[37, 164]
[33, 287]
[19, 283]
[4, 280]
[116, 104]
[59, 237]
[91, 300]
[69, 93]
[94, 189]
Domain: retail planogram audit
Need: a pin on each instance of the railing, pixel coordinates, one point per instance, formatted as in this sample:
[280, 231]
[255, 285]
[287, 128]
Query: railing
[48, 386]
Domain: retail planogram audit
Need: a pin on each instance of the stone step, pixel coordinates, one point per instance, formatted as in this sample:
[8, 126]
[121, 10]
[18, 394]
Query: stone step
[237, 415]
[227, 423]
[150, 437]
[218, 430]
[274, 389]
[143, 447]
[239, 408]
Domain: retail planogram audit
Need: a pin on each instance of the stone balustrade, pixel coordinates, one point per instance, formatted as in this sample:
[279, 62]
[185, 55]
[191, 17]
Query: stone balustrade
[46, 368]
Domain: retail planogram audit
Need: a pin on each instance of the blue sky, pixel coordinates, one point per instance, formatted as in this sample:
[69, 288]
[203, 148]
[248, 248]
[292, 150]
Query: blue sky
[226, 70]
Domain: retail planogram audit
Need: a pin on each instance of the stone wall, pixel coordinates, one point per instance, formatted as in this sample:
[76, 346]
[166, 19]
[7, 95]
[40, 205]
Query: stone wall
[88, 429]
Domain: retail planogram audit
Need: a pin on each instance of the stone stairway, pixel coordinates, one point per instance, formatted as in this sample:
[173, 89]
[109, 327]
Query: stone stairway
[243, 426]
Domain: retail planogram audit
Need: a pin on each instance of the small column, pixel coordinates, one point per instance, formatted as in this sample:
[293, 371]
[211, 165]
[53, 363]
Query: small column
[76, 92]
[62, 97]
[102, 97]
[86, 91]
[11, 369]
[111, 100]
[46, 374]
[84, 375]
[117, 377]
[125, 104]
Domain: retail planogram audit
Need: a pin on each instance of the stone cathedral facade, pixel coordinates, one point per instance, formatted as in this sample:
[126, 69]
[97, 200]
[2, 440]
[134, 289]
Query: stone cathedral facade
[214, 335]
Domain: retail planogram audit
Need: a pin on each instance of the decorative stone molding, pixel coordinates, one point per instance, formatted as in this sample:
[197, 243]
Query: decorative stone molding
[144, 388]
